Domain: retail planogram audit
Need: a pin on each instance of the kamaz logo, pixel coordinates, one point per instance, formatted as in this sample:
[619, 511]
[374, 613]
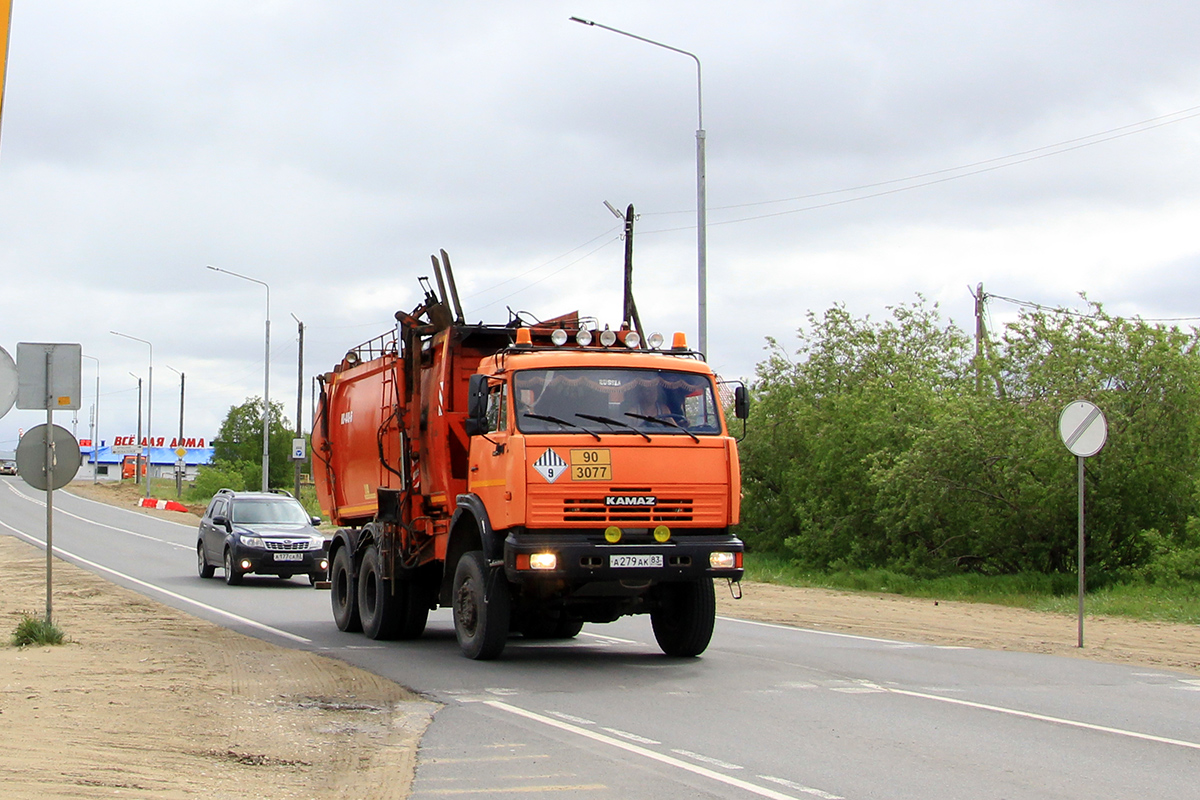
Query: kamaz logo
[631, 500]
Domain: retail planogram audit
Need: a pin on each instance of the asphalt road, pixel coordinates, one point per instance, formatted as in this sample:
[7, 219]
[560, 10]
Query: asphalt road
[767, 711]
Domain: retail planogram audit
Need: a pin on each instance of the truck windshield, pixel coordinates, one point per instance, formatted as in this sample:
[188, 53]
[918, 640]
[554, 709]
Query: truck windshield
[631, 401]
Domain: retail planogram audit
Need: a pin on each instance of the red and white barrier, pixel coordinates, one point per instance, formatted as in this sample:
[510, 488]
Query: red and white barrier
[166, 505]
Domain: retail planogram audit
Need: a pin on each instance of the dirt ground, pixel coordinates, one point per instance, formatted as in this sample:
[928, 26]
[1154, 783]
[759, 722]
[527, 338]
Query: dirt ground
[146, 701]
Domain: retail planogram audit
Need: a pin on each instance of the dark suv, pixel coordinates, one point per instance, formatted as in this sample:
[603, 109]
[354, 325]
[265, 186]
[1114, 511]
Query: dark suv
[267, 533]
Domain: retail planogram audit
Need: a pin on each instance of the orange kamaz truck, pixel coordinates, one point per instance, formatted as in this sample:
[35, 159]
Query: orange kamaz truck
[530, 476]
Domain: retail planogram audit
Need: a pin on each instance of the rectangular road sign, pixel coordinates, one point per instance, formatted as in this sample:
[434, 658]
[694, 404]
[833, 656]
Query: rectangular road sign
[62, 392]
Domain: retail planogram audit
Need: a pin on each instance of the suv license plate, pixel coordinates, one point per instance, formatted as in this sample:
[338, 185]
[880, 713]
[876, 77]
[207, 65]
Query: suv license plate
[289, 556]
[655, 560]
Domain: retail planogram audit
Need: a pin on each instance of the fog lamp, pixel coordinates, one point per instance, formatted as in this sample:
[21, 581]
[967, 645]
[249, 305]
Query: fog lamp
[656, 340]
[558, 337]
[612, 534]
[662, 534]
[324, 565]
[246, 564]
[608, 337]
[632, 340]
[721, 560]
[583, 338]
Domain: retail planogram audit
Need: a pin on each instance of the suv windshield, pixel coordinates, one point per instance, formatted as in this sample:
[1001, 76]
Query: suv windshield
[268, 511]
[639, 401]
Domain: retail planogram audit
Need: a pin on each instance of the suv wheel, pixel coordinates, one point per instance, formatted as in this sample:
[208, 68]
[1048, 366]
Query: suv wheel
[205, 569]
[233, 575]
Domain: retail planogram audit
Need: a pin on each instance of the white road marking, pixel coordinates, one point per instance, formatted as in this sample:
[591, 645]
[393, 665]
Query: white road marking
[633, 737]
[58, 510]
[662, 758]
[167, 592]
[837, 635]
[1055, 720]
[799, 787]
[716, 762]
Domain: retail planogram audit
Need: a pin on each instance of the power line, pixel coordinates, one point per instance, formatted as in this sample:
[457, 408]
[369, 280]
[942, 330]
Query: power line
[1071, 312]
[986, 165]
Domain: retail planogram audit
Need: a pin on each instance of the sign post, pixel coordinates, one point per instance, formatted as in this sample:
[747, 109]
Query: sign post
[49, 377]
[1084, 430]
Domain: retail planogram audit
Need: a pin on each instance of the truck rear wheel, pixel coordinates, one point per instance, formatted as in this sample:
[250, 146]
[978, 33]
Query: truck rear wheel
[378, 608]
[342, 595]
[683, 617]
[482, 607]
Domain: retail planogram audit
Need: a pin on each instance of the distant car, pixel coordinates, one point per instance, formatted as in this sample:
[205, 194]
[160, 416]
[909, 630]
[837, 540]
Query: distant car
[265, 533]
[8, 468]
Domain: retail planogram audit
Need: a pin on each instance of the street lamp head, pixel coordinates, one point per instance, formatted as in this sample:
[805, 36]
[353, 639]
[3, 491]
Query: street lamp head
[582, 21]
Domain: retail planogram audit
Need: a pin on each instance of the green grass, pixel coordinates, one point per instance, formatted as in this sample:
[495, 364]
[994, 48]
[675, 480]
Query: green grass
[33, 630]
[1177, 602]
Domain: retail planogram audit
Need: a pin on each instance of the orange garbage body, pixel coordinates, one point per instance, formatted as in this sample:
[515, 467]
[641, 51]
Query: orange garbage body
[368, 420]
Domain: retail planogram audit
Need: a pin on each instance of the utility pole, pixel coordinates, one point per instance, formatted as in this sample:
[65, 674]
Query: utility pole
[299, 398]
[629, 312]
[979, 333]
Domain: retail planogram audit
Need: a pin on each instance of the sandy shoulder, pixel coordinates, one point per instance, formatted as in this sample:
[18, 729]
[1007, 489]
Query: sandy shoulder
[146, 701]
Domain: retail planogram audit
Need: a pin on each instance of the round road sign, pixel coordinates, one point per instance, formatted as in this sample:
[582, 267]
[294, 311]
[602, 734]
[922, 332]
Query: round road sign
[8, 382]
[31, 457]
[1083, 428]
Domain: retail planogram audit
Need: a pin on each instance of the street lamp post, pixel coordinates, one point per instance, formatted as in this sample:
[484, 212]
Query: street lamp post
[701, 187]
[95, 433]
[179, 472]
[137, 461]
[266, 458]
[149, 405]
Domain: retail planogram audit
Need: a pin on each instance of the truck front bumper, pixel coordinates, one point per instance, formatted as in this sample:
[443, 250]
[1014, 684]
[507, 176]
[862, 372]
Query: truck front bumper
[581, 559]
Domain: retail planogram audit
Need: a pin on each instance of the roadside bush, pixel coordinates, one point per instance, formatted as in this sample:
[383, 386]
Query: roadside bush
[215, 476]
[36, 631]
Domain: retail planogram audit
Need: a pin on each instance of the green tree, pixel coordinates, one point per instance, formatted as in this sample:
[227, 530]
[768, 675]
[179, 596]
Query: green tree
[239, 441]
[876, 448]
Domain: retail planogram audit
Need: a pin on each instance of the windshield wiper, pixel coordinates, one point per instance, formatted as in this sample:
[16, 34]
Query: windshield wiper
[560, 421]
[664, 421]
[611, 421]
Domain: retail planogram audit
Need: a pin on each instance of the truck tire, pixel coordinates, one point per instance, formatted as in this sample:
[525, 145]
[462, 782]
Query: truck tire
[205, 569]
[482, 607]
[233, 575]
[683, 617]
[379, 609]
[342, 594]
[416, 608]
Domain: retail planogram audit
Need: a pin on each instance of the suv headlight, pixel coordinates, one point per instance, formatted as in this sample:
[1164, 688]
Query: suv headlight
[316, 543]
[253, 541]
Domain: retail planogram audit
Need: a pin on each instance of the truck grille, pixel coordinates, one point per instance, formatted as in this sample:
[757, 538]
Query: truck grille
[593, 509]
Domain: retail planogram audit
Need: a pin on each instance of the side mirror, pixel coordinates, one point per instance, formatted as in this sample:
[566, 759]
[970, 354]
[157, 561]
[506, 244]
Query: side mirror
[316, 521]
[741, 402]
[477, 397]
[221, 521]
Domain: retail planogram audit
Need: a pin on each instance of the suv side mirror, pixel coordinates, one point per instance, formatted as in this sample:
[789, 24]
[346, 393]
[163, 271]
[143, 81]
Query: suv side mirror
[221, 521]
[477, 396]
[741, 402]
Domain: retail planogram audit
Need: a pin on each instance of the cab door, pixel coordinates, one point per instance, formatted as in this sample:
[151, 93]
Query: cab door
[488, 477]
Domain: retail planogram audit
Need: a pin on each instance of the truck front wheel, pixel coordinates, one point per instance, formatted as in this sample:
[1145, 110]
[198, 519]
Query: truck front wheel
[342, 595]
[683, 617]
[482, 607]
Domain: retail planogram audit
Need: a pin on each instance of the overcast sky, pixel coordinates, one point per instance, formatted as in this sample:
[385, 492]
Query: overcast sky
[328, 148]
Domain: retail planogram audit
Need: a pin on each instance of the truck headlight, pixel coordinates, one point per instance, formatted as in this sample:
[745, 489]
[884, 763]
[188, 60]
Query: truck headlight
[722, 560]
[543, 561]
